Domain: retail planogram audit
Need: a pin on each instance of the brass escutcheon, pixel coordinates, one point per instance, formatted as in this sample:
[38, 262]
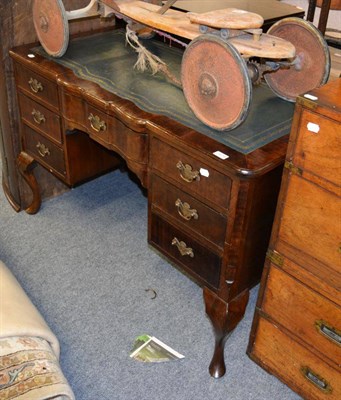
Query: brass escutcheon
[42, 149]
[185, 211]
[182, 247]
[96, 123]
[38, 117]
[35, 85]
[187, 173]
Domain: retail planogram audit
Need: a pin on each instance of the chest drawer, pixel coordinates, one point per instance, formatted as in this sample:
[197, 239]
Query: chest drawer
[37, 86]
[318, 147]
[304, 312]
[42, 119]
[304, 371]
[309, 223]
[190, 173]
[196, 259]
[44, 150]
[188, 210]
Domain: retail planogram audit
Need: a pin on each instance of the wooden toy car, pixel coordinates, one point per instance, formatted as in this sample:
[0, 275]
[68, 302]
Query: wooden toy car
[226, 52]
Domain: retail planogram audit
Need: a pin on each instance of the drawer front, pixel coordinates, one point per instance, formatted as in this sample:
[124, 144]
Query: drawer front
[50, 155]
[308, 315]
[97, 124]
[43, 120]
[300, 369]
[190, 173]
[311, 222]
[188, 210]
[41, 88]
[198, 261]
[318, 147]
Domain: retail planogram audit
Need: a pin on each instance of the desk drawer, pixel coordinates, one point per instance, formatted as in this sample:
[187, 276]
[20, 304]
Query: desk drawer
[43, 120]
[197, 260]
[37, 86]
[302, 370]
[304, 312]
[188, 210]
[190, 173]
[43, 150]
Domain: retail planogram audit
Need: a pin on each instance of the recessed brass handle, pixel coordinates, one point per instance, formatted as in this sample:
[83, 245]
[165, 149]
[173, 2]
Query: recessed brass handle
[187, 173]
[182, 247]
[96, 123]
[35, 85]
[42, 149]
[316, 380]
[329, 331]
[185, 211]
[38, 117]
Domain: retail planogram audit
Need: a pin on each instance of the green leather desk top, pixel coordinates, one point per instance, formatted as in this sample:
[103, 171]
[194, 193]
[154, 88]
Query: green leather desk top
[106, 59]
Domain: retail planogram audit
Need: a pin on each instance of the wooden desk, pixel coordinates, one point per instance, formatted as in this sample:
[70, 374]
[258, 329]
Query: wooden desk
[210, 213]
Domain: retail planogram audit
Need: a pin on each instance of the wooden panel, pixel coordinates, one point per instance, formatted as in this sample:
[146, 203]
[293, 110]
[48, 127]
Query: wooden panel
[215, 187]
[54, 157]
[304, 312]
[204, 265]
[308, 222]
[40, 118]
[292, 363]
[208, 223]
[318, 147]
[40, 88]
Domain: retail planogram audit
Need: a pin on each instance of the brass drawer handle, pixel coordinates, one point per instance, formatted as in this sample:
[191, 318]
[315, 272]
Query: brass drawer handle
[316, 380]
[42, 149]
[38, 117]
[182, 247]
[185, 211]
[329, 331]
[96, 123]
[35, 85]
[187, 173]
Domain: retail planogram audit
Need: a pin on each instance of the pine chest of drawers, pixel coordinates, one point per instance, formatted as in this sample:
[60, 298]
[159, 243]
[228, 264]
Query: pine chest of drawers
[296, 332]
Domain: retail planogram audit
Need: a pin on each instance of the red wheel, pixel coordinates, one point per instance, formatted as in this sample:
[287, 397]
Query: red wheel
[312, 69]
[51, 25]
[216, 83]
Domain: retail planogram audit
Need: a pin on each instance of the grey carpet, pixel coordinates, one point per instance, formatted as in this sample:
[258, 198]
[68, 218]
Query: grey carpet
[85, 263]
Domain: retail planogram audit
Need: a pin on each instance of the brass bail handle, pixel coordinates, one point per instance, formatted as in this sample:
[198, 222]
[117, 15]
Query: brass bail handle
[96, 123]
[182, 247]
[38, 117]
[185, 211]
[35, 85]
[187, 173]
[42, 149]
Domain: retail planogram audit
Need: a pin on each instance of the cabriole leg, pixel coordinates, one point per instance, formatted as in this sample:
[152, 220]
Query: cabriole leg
[224, 318]
[26, 164]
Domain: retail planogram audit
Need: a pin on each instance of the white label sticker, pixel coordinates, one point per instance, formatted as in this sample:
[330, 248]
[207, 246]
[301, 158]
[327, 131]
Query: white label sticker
[221, 155]
[204, 172]
[313, 127]
[310, 97]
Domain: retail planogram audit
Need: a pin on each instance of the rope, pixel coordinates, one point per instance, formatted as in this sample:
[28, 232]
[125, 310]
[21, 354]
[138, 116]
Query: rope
[147, 60]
